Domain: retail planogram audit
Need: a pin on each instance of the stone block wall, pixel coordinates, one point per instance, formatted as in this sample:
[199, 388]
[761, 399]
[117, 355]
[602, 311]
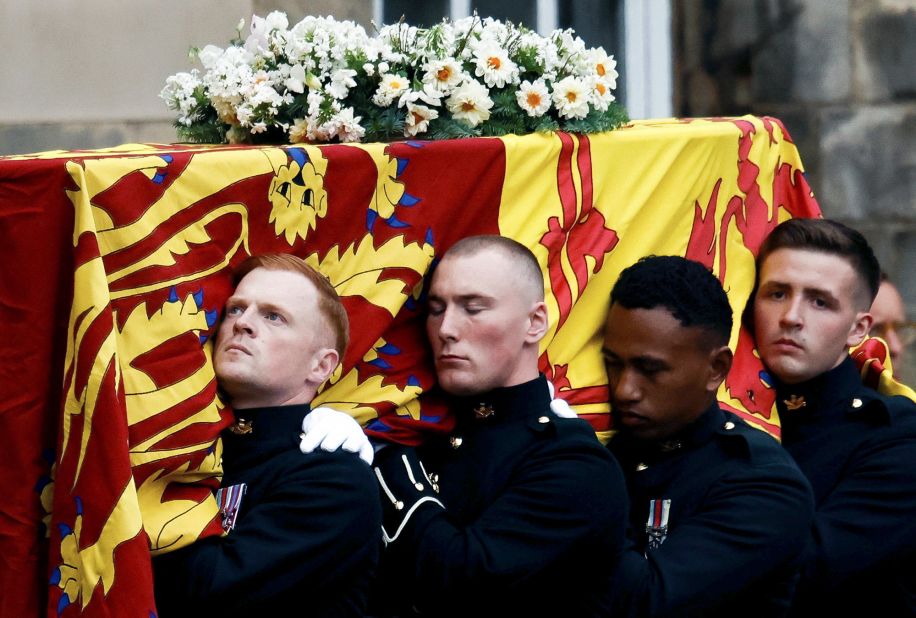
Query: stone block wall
[840, 74]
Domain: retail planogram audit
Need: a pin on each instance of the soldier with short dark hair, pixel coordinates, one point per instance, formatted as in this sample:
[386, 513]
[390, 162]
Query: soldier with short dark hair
[719, 513]
[816, 280]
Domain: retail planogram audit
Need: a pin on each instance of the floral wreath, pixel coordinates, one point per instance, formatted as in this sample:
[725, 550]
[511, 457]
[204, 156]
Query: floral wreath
[325, 80]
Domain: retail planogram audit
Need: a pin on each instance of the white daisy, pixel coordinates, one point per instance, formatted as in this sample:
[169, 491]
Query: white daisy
[601, 95]
[570, 97]
[533, 97]
[470, 103]
[392, 86]
[443, 74]
[495, 66]
[418, 118]
[604, 66]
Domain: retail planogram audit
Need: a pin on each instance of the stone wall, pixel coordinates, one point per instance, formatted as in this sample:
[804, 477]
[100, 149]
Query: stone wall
[840, 74]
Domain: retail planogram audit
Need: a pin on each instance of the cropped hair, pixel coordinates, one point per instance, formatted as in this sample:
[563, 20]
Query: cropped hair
[329, 304]
[685, 288]
[831, 237]
[521, 256]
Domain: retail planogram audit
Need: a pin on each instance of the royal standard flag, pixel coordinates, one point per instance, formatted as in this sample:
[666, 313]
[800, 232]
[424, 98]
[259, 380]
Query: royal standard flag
[117, 264]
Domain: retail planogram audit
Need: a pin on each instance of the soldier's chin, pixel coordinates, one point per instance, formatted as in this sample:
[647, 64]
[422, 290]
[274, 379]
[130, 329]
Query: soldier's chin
[454, 383]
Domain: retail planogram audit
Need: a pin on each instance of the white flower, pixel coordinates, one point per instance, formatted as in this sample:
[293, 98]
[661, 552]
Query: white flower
[346, 127]
[418, 118]
[312, 81]
[383, 67]
[601, 95]
[369, 69]
[443, 74]
[428, 95]
[533, 97]
[495, 66]
[604, 66]
[391, 86]
[570, 97]
[341, 82]
[259, 127]
[296, 80]
[470, 103]
[209, 56]
[299, 130]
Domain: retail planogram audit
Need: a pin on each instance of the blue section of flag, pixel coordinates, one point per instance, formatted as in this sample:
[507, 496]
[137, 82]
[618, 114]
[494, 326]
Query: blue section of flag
[408, 200]
[381, 363]
[389, 348]
[211, 317]
[412, 380]
[371, 217]
[199, 298]
[393, 221]
[378, 425]
[173, 294]
[298, 155]
[402, 164]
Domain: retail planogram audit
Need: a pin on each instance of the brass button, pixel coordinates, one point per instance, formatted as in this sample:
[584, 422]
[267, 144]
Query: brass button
[641, 467]
[729, 425]
[857, 403]
[455, 441]
[543, 420]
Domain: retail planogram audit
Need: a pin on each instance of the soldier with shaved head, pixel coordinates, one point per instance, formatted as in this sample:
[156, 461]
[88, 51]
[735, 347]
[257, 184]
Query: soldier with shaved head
[517, 511]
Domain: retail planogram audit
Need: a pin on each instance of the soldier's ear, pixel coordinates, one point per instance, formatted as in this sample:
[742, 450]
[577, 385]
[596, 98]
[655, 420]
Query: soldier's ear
[324, 362]
[537, 322]
[720, 361]
[859, 328]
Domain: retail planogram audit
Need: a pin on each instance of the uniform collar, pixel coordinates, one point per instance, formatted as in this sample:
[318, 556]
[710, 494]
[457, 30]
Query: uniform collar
[694, 435]
[504, 404]
[831, 393]
[258, 425]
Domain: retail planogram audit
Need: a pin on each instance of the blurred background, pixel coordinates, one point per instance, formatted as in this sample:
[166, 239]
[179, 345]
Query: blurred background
[841, 75]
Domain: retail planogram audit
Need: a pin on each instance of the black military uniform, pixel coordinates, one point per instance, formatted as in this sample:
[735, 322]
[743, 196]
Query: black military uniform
[858, 449]
[718, 518]
[307, 534]
[521, 513]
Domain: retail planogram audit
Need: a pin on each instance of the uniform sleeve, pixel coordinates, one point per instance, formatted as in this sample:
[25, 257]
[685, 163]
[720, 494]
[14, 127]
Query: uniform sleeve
[750, 523]
[308, 534]
[556, 501]
[868, 518]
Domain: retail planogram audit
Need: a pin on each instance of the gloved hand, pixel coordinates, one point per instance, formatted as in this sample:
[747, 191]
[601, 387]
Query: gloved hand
[405, 486]
[333, 430]
[559, 406]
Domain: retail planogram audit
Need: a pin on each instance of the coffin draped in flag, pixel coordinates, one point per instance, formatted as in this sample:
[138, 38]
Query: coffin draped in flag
[121, 261]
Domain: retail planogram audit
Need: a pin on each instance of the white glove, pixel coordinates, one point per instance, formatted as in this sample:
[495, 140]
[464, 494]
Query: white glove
[333, 430]
[559, 406]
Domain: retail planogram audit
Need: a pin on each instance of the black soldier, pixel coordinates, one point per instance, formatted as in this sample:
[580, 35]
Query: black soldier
[719, 513]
